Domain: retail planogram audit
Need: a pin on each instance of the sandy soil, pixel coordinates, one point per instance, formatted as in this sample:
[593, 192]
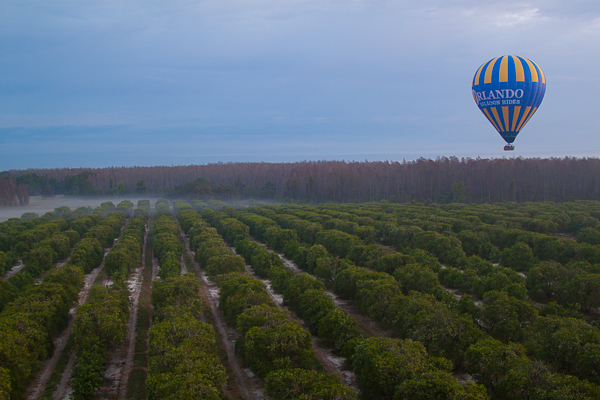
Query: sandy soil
[183, 267]
[155, 268]
[15, 269]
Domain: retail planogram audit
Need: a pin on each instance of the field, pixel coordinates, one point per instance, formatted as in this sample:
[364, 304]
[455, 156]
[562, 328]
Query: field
[340, 301]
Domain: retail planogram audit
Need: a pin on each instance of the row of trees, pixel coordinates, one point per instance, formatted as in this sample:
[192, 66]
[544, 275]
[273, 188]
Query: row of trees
[58, 237]
[101, 323]
[307, 296]
[28, 325]
[480, 277]
[418, 316]
[469, 238]
[273, 345]
[167, 248]
[126, 255]
[182, 356]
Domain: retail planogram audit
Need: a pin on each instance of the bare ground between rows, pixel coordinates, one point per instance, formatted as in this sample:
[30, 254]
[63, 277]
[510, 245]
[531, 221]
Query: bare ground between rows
[241, 382]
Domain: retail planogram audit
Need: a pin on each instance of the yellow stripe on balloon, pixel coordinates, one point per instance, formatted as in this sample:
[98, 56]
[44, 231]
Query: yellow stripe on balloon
[488, 71]
[504, 69]
[489, 117]
[506, 117]
[534, 74]
[495, 112]
[519, 69]
[476, 81]
[541, 72]
[530, 115]
[523, 118]
[515, 117]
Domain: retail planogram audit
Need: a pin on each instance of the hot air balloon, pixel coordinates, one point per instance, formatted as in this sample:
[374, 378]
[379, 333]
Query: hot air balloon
[508, 90]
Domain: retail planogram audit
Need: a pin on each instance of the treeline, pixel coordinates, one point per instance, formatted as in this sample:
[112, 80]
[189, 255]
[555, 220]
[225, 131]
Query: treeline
[442, 180]
[12, 193]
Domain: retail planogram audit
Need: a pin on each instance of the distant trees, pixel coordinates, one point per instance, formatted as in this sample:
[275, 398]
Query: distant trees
[443, 180]
[13, 193]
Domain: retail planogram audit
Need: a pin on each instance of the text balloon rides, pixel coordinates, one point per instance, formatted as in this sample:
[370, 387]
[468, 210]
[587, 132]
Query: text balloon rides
[508, 90]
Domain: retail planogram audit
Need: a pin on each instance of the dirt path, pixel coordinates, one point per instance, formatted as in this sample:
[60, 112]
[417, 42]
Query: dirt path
[241, 381]
[136, 383]
[15, 269]
[155, 268]
[183, 267]
[135, 288]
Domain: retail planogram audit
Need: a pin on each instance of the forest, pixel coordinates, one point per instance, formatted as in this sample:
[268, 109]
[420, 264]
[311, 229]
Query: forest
[377, 300]
[443, 180]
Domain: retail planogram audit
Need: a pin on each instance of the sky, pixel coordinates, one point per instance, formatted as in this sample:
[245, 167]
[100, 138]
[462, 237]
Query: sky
[124, 83]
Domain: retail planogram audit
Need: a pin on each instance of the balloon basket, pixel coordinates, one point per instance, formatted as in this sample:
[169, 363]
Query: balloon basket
[509, 147]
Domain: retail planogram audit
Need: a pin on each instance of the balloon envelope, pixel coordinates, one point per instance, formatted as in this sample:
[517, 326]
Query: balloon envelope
[508, 90]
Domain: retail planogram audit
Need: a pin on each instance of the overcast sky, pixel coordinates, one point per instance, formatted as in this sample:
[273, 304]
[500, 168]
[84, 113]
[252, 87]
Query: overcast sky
[112, 83]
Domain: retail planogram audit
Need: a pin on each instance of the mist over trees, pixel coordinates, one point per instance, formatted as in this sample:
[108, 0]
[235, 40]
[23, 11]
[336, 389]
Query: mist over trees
[443, 180]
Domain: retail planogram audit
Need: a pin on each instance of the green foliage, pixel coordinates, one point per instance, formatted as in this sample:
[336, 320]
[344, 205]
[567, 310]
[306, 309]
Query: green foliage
[337, 330]
[299, 284]
[87, 254]
[439, 385]
[30, 322]
[8, 292]
[381, 364]
[4, 384]
[183, 362]
[265, 346]
[506, 317]
[443, 331]
[99, 324]
[568, 344]
[519, 257]
[239, 293]
[303, 384]
[225, 264]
